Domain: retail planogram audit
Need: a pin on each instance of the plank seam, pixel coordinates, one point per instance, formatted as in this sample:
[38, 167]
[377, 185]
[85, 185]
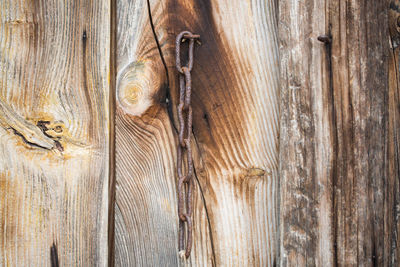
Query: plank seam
[112, 106]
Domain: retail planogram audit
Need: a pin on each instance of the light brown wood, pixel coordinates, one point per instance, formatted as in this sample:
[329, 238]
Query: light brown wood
[54, 134]
[146, 208]
[145, 213]
[235, 105]
[235, 102]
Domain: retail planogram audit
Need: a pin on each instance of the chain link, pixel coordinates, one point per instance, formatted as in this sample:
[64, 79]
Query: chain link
[185, 182]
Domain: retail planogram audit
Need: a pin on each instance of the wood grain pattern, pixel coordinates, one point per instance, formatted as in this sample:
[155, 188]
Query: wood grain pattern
[54, 134]
[392, 196]
[146, 214]
[339, 127]
[307, 138]
[324, 190]
[235, 105]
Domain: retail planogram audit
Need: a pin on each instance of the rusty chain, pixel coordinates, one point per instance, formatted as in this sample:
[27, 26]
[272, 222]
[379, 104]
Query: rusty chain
[185, 182]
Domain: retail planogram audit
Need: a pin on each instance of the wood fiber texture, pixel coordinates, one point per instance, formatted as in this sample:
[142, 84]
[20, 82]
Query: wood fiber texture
[54, 134]
[339, 134]
[145, 214]
[295, 132]
[235, 132]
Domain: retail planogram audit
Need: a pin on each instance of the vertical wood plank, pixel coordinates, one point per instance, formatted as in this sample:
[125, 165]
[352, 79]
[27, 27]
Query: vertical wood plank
[339, 193]
[146, 214]
[392, 187]
[360, 52]
[235, 124]
[54, 134]
[235, 127]
[306, 138]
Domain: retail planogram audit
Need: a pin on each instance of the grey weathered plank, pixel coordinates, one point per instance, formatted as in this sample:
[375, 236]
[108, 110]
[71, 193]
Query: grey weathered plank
[339, 127]
[306, 136]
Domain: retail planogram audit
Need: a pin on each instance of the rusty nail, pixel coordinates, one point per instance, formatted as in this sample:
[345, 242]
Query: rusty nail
[325, 39]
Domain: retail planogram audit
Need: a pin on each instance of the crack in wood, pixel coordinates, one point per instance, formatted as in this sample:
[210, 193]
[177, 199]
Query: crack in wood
[207, 216]
[204, 201]
[26, 141]
[54, 255]
[168, 98]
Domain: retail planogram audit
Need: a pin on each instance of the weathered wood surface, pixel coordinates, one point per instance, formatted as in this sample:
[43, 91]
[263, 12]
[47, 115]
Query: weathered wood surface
[145, 213]
[392, 197]
[146, 208]
[54, 134]
[235, 127]
[337, 164]
[306, 137]
[339, 161]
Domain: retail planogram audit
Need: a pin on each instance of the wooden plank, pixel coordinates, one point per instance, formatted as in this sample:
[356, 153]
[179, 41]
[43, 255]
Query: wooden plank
[360, 81]
[339, 149]
[235, 123]
[235, 128]
[392, 194]
[146, 207]
[306, 136]
[54, 134]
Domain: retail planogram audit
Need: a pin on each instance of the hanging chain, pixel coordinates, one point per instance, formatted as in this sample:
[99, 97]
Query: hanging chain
[185, 182]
